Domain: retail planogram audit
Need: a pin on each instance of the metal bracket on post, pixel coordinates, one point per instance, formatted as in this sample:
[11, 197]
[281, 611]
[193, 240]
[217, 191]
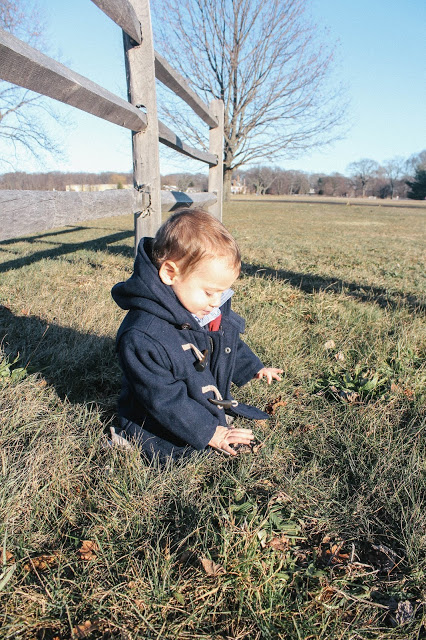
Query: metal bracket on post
[143, 200]
[143, 209]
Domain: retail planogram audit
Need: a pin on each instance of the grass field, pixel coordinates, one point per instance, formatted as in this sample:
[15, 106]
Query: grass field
[320, 534]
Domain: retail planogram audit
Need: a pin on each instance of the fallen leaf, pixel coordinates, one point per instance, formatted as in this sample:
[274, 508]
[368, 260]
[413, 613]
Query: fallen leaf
[85, 629]
[330, 344]
[395, 388]
[405, 612]
[281, 497]
[409, 393]
[41, 563]
[347, 396]
[87, 550]
[25, 312]
[254, 447]
[273, 405]
[280, 543]
[9, 557]
[340, 356]
[211, 568]
[326, 594]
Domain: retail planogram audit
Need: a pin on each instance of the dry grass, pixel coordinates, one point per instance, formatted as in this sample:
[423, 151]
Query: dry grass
[321, 534]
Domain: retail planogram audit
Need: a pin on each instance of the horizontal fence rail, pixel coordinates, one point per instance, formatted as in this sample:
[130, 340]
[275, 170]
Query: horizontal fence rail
[26, 212]
[123, 14]
[170, 139]
[177, 83]
[36, 211]
[27, 67]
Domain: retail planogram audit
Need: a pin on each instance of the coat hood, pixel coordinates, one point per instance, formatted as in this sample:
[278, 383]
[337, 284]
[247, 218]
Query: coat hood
[144, 291]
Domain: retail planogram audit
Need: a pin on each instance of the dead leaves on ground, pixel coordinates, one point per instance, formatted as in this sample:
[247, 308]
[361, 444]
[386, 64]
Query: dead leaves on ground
[212, 568]
[84, 629]
[42, 562]
[273, 405]
[88, 550]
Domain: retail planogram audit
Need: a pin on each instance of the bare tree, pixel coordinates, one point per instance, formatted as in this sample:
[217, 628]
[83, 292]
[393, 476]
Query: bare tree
[393, 170]
[265, 61]
[416, 161]
[363, 171]
[261, 178]
[22, 112]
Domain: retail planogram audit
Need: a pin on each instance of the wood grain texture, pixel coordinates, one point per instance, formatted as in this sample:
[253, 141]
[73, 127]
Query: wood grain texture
[25, 66]
[170, 139]
[142, 91]
[177, 83]
[216, 147]
[29, 212]
[123, 14]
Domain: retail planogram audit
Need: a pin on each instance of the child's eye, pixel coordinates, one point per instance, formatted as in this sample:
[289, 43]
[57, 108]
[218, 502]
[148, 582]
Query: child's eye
[208, 294]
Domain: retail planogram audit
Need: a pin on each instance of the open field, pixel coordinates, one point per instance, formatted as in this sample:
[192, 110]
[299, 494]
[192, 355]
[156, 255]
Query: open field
[332, 200]
[318, 535]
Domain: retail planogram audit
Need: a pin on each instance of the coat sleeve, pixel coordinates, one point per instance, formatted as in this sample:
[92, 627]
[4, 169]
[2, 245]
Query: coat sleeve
[149, 374]
[247, 364]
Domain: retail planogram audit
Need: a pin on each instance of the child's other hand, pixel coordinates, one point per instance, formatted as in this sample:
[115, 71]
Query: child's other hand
[270, 373]
[224, 437]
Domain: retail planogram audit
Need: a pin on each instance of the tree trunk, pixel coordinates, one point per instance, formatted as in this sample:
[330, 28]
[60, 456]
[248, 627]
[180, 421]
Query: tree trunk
[227, 177]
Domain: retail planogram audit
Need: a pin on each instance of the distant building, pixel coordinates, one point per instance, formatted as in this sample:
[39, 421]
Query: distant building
[237, 186]
[96, 187]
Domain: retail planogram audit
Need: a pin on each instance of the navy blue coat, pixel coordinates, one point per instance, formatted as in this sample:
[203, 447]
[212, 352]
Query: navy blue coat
[176, 374]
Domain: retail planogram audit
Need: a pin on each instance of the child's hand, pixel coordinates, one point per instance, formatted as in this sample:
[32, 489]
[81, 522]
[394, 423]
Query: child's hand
[224, 437]
[270, 373]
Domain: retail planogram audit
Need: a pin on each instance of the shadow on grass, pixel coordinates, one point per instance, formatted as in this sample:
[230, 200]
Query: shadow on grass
[313, 283]
[82, 367]
[97, 244]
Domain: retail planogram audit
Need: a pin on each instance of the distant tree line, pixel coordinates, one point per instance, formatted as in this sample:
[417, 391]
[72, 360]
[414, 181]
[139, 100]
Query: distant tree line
[56, 180]
[395, 178]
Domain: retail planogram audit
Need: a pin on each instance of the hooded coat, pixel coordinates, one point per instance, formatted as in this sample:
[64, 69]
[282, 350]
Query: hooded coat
[176, 374]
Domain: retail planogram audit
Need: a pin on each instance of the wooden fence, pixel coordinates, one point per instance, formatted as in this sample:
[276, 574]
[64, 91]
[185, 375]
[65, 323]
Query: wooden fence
[24, 212]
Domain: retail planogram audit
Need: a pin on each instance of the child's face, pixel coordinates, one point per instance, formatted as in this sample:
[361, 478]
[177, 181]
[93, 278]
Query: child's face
[199, 291]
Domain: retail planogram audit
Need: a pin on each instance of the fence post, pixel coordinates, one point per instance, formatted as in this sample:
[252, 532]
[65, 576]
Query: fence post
[216, 109]
[140, 71]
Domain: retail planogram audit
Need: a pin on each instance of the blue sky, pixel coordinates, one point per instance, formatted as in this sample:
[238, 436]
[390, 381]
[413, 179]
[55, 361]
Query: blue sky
[382, 58]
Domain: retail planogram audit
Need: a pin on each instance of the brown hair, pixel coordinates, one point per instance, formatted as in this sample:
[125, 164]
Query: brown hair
[191, 235]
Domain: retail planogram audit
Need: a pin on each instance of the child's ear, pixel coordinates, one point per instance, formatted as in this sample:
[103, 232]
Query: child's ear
[168, 272]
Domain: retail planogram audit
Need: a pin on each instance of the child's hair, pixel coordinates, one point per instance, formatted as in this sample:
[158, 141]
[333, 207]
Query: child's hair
[191, 235]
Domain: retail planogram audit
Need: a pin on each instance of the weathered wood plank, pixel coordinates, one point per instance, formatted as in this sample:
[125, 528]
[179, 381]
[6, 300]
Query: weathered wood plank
[216, 147]
[170, 139]
[25, 66]
[28, 212]
[171, 200]
[124, 15]
[141, 89]
[177, 83]
[25, 212]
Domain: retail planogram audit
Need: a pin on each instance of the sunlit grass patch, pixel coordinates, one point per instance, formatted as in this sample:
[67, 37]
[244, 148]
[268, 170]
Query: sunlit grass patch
[319, 534]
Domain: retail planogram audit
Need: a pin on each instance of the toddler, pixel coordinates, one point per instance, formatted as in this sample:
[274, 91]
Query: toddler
[179, 345]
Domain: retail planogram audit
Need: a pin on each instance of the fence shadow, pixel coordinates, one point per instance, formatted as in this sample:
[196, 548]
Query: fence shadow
[313, 283]
[82, 367]
[96, 244]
